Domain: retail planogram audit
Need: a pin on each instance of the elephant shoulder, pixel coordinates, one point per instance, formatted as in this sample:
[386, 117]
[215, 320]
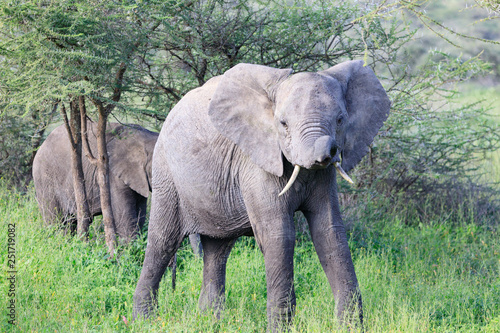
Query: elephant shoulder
[190, 114]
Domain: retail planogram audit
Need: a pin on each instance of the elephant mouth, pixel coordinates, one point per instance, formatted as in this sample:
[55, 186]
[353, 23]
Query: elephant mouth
[322, 165]
[325, 163]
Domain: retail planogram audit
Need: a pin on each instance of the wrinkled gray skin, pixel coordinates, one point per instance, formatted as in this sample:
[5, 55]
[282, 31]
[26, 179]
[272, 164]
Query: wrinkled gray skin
[218, 168]
[130, 150]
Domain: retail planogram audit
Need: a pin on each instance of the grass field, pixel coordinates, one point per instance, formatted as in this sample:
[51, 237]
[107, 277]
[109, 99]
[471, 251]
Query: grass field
[441, 277]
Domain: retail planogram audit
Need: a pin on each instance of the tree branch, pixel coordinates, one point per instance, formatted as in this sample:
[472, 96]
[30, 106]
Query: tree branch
[68, 127]
[117, 91]
[85, 137]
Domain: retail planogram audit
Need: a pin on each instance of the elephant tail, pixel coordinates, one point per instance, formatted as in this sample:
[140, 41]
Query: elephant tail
[173, 264]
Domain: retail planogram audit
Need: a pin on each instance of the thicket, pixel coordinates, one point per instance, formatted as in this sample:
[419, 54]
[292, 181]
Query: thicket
[428, 153]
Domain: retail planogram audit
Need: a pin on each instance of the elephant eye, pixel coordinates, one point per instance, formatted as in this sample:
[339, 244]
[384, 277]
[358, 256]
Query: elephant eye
[283, 122]
[340, 120]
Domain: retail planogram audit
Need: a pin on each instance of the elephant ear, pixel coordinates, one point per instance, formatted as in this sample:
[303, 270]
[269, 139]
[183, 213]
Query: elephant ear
[130, 152]
[367, 105]
[241, 109]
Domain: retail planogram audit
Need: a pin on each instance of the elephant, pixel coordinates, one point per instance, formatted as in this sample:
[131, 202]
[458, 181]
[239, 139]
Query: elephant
[223, 156]
[130, 150]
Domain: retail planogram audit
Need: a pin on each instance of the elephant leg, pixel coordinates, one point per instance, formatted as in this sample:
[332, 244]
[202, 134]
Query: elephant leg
[330, 241]
[70, 225]
[276, 239]
[215, 255]
[52, 214]
[127, 216]
[49, 207]
[141, 208]
[164, 238]
[195, 241]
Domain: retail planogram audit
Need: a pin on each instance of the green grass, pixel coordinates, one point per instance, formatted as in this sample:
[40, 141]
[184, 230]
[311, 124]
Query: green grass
[442, 277]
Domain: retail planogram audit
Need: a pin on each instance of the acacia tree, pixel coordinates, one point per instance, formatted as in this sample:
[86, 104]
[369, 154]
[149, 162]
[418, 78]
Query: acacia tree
[65, 52]
[201, 39]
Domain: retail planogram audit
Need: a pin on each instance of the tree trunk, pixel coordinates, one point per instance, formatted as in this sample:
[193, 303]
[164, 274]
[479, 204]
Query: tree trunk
[103, 181]
[102, 160]
[73, 127]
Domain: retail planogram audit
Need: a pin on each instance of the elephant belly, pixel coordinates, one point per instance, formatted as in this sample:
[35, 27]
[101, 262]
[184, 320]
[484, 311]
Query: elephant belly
[214, 221]
[214, 207]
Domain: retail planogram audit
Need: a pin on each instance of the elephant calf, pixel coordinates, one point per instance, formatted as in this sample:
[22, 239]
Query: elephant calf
[130, 150]
[225, 153]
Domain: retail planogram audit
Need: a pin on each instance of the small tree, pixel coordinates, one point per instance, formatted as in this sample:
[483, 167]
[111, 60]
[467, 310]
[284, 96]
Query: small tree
[65, 52]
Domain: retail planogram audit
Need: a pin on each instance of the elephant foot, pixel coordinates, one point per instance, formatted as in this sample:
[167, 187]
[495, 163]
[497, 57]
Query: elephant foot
[215, 306]
[281, 318]
[142, 308]
[350, 312]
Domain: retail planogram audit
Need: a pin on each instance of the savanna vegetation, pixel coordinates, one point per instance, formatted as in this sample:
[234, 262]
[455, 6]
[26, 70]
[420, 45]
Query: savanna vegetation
[423, 217]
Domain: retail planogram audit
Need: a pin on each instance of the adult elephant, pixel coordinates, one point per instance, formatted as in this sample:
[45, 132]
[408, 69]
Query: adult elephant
[130, 150]
[218, 170]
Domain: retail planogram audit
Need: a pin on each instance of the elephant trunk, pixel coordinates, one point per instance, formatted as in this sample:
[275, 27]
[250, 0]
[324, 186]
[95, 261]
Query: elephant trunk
[325, 150]
[324, 153]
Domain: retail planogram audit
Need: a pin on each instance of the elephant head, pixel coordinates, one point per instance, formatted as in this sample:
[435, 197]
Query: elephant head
[130, 154]
[312, 119]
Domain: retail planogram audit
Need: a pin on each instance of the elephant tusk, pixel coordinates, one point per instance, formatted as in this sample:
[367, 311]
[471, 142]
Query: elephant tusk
[343, 173]
[295, 173]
